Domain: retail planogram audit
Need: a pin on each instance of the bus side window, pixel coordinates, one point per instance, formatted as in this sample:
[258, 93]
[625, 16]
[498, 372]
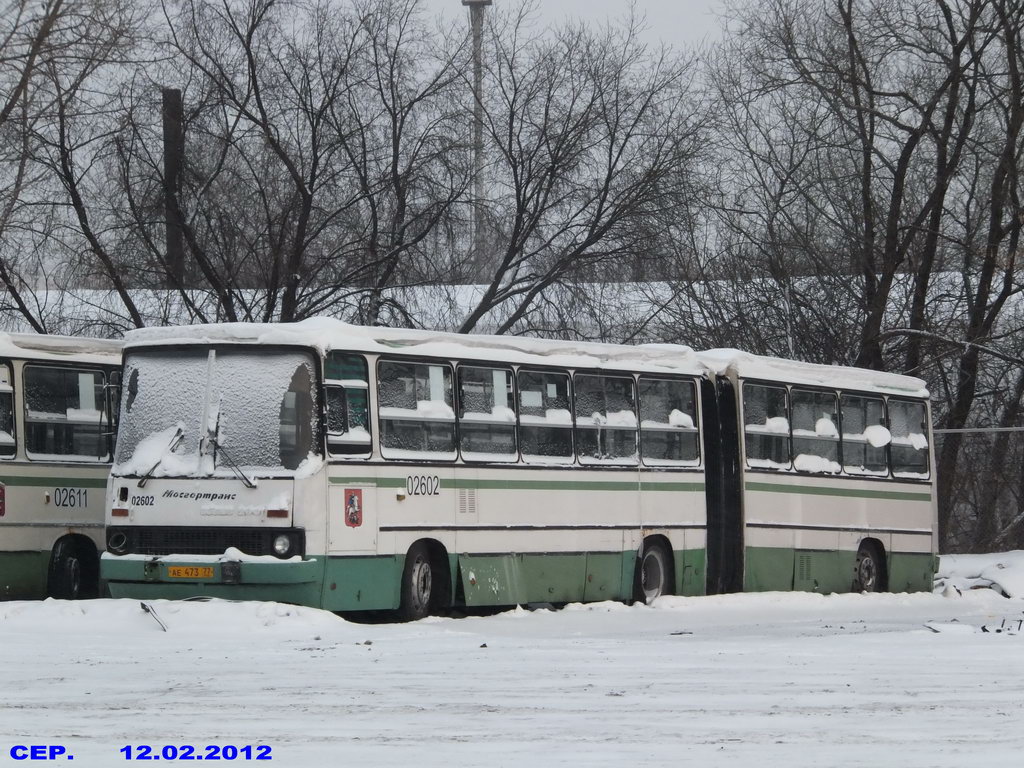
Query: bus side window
[815, 431]
[865, 435]
[417, 420]
[347, 383]
[606, 423]
[668, 422]
[766, 426]
[545, 421]
[7, 441]
[487, 416]
[64, 414]
[908, 423]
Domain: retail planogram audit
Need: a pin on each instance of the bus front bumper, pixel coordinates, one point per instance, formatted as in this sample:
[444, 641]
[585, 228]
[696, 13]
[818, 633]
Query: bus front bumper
[295, 580]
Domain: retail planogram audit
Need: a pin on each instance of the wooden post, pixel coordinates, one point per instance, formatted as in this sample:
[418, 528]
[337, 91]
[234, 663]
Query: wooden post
[174, 158]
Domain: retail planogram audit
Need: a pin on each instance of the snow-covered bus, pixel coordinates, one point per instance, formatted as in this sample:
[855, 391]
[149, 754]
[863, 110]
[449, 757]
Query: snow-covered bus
[378, 469]
[56, 441]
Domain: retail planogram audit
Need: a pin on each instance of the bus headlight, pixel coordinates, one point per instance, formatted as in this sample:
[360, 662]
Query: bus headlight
[117, 543]
[282, 544]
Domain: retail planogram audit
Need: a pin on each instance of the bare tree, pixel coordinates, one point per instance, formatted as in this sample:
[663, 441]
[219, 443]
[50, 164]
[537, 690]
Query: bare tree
[874, 152]
[991, 233]
[321, 154]
[68, 58]
[591, 135]
[25, 39]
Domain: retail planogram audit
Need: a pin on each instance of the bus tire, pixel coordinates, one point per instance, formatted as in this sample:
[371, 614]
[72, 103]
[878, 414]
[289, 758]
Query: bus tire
[66, 580]
[654, 574]
[419, 584]
[869, 570]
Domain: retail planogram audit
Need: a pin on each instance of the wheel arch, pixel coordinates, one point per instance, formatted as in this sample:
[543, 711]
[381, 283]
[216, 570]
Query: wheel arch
[656, 539]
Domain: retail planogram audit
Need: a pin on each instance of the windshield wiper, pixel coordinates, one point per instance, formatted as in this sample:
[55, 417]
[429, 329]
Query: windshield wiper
[213, 439]
[231, 462]
[176, 439]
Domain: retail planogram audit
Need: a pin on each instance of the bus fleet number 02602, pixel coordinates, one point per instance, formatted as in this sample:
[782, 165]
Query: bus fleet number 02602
[423, 485]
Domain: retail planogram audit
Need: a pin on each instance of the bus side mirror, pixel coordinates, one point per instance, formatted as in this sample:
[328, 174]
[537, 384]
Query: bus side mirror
[113, 390]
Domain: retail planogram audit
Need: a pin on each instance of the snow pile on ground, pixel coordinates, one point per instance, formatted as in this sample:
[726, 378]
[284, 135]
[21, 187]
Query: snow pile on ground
[1002, 572]
[201, 618]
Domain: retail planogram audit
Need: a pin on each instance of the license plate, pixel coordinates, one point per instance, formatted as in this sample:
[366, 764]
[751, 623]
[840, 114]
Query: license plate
[190, 571]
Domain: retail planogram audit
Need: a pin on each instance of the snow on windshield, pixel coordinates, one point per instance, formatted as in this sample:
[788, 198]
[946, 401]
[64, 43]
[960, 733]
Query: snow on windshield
[267, 406]
[161, 390]
[262, 411]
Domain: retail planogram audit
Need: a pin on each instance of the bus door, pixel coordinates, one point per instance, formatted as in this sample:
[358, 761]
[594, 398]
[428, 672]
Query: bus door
[725, 545]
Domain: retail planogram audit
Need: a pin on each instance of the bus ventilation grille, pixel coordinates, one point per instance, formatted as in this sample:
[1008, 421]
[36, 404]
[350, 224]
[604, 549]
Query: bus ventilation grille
[467, 501]
[200, 541]
[803, 571]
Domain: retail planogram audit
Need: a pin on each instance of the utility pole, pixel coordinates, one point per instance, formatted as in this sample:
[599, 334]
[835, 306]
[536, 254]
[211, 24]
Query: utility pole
[476, 18]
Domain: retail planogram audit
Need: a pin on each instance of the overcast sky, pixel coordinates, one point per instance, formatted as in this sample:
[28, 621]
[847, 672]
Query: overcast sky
[676, 22]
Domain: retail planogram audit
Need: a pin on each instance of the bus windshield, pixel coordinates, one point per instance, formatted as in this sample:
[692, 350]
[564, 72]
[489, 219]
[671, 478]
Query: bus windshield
[260, 409]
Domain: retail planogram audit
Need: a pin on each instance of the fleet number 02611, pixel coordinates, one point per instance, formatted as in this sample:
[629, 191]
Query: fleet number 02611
[70, 497]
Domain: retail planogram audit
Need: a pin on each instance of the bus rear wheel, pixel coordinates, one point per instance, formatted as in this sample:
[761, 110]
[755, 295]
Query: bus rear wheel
[66, 573]
[869, 570]
[418, 584]
[654, 574]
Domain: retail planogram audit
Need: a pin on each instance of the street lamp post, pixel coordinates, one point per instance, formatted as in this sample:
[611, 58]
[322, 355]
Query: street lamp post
[476, 18]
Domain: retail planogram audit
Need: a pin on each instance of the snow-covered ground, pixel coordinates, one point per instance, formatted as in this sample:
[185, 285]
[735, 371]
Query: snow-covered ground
[738, 680]
[1003, 572]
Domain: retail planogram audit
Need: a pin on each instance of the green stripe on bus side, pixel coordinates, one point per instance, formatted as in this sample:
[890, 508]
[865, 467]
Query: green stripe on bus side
[83, 482]
[695, 487]
[859, 493]
[539, 485]
[531, 485]
[355, 480]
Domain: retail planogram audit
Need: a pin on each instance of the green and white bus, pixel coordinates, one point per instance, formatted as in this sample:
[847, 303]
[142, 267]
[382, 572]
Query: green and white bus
[359, 469]
[56, 440]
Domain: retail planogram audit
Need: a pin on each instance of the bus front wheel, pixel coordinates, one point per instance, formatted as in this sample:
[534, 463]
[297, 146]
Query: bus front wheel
[418, 584]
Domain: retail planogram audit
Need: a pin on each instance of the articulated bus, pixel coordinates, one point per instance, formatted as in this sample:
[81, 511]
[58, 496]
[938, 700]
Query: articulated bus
[56, 441]
[361, 469]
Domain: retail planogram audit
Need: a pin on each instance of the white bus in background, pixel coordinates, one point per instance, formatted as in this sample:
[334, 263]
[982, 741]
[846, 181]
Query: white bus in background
[56, 440]
[375, 469]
